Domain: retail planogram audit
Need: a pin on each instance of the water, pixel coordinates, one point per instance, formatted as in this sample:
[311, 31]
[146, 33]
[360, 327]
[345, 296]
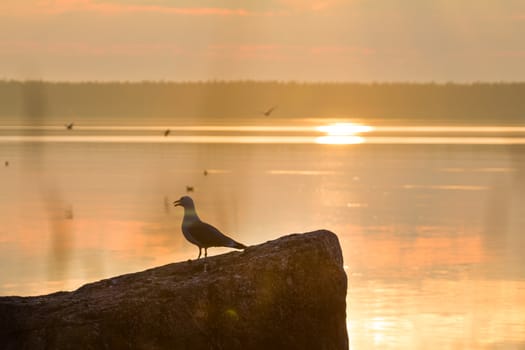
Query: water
[430, 218]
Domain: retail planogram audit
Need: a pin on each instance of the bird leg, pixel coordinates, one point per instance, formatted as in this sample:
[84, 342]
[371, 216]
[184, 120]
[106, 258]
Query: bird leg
[200, 251]
[205, 259]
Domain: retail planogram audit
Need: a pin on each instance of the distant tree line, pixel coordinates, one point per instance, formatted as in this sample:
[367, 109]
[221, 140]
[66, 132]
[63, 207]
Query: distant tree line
[172, 102]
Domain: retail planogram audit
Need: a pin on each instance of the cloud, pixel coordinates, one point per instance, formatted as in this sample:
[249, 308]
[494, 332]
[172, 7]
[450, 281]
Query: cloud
[341, 50]
[249, 51]
[518, 17]
[115, 8]
[277, 52]
[511, 53]
[310, 5]
[85, 49]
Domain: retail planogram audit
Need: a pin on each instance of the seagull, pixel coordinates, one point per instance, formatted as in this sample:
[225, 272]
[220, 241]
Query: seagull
[167, 132]
[205, 172]
[269, 111]
[201, 234]
[69, 126]
[189, 189]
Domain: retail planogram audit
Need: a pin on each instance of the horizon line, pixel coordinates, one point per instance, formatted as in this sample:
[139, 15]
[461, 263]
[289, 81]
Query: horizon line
[265, 81]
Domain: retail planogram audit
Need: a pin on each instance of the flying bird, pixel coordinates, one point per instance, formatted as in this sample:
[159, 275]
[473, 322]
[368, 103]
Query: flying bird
[201, 234]
[189, 189]
[167, 132]
[68, 213]
[69, 126]
[205, 172]
[269, 111]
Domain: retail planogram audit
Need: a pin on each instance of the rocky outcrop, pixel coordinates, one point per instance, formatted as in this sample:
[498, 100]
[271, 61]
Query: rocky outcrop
[284, 294]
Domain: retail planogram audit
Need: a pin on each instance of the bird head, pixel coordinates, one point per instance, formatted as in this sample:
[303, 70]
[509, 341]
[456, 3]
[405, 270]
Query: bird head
[185, 202]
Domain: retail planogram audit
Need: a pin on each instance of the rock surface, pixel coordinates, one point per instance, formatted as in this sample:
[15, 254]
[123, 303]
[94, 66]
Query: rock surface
[284, 294]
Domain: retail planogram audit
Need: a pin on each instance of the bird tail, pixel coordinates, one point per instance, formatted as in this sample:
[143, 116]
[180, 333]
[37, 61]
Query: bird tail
[237, 245]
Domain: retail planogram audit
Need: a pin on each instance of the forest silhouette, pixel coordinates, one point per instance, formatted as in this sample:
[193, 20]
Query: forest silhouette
[170, 102]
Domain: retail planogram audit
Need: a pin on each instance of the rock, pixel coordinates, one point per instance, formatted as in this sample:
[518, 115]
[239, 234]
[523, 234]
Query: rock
[284, 294]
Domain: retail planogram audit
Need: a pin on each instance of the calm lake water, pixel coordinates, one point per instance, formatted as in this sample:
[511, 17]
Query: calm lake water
[431, 219]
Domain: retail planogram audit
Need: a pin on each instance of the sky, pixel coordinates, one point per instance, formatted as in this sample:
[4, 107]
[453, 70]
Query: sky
[301, 40]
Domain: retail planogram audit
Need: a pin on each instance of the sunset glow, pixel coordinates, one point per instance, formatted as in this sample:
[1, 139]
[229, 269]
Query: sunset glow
[397, 126]
[339, 140]
[344, 129]
[342, 134]
[327, 40]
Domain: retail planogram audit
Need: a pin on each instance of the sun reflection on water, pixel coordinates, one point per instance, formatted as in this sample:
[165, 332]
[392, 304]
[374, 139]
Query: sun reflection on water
[339, 140]
[342, 134]
[344, 129]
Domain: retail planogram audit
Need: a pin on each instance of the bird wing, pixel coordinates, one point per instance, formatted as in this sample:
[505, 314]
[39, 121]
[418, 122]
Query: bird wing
[269, 111]
[209, 236]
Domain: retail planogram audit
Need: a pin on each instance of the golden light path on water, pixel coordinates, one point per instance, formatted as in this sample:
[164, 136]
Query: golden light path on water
[331, 129]
[332, 140]
[344, 129]
[334, 134]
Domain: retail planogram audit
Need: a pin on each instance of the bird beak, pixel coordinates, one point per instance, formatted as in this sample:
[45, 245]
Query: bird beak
[176, 203]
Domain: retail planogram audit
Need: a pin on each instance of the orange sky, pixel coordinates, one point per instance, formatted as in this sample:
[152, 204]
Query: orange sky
[307, 40]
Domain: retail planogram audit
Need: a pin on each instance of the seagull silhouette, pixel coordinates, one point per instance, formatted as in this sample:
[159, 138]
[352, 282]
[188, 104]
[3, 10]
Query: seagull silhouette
[269, 111]
[69, 126]
[167, 132]
[68, 213]
[201, 234]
